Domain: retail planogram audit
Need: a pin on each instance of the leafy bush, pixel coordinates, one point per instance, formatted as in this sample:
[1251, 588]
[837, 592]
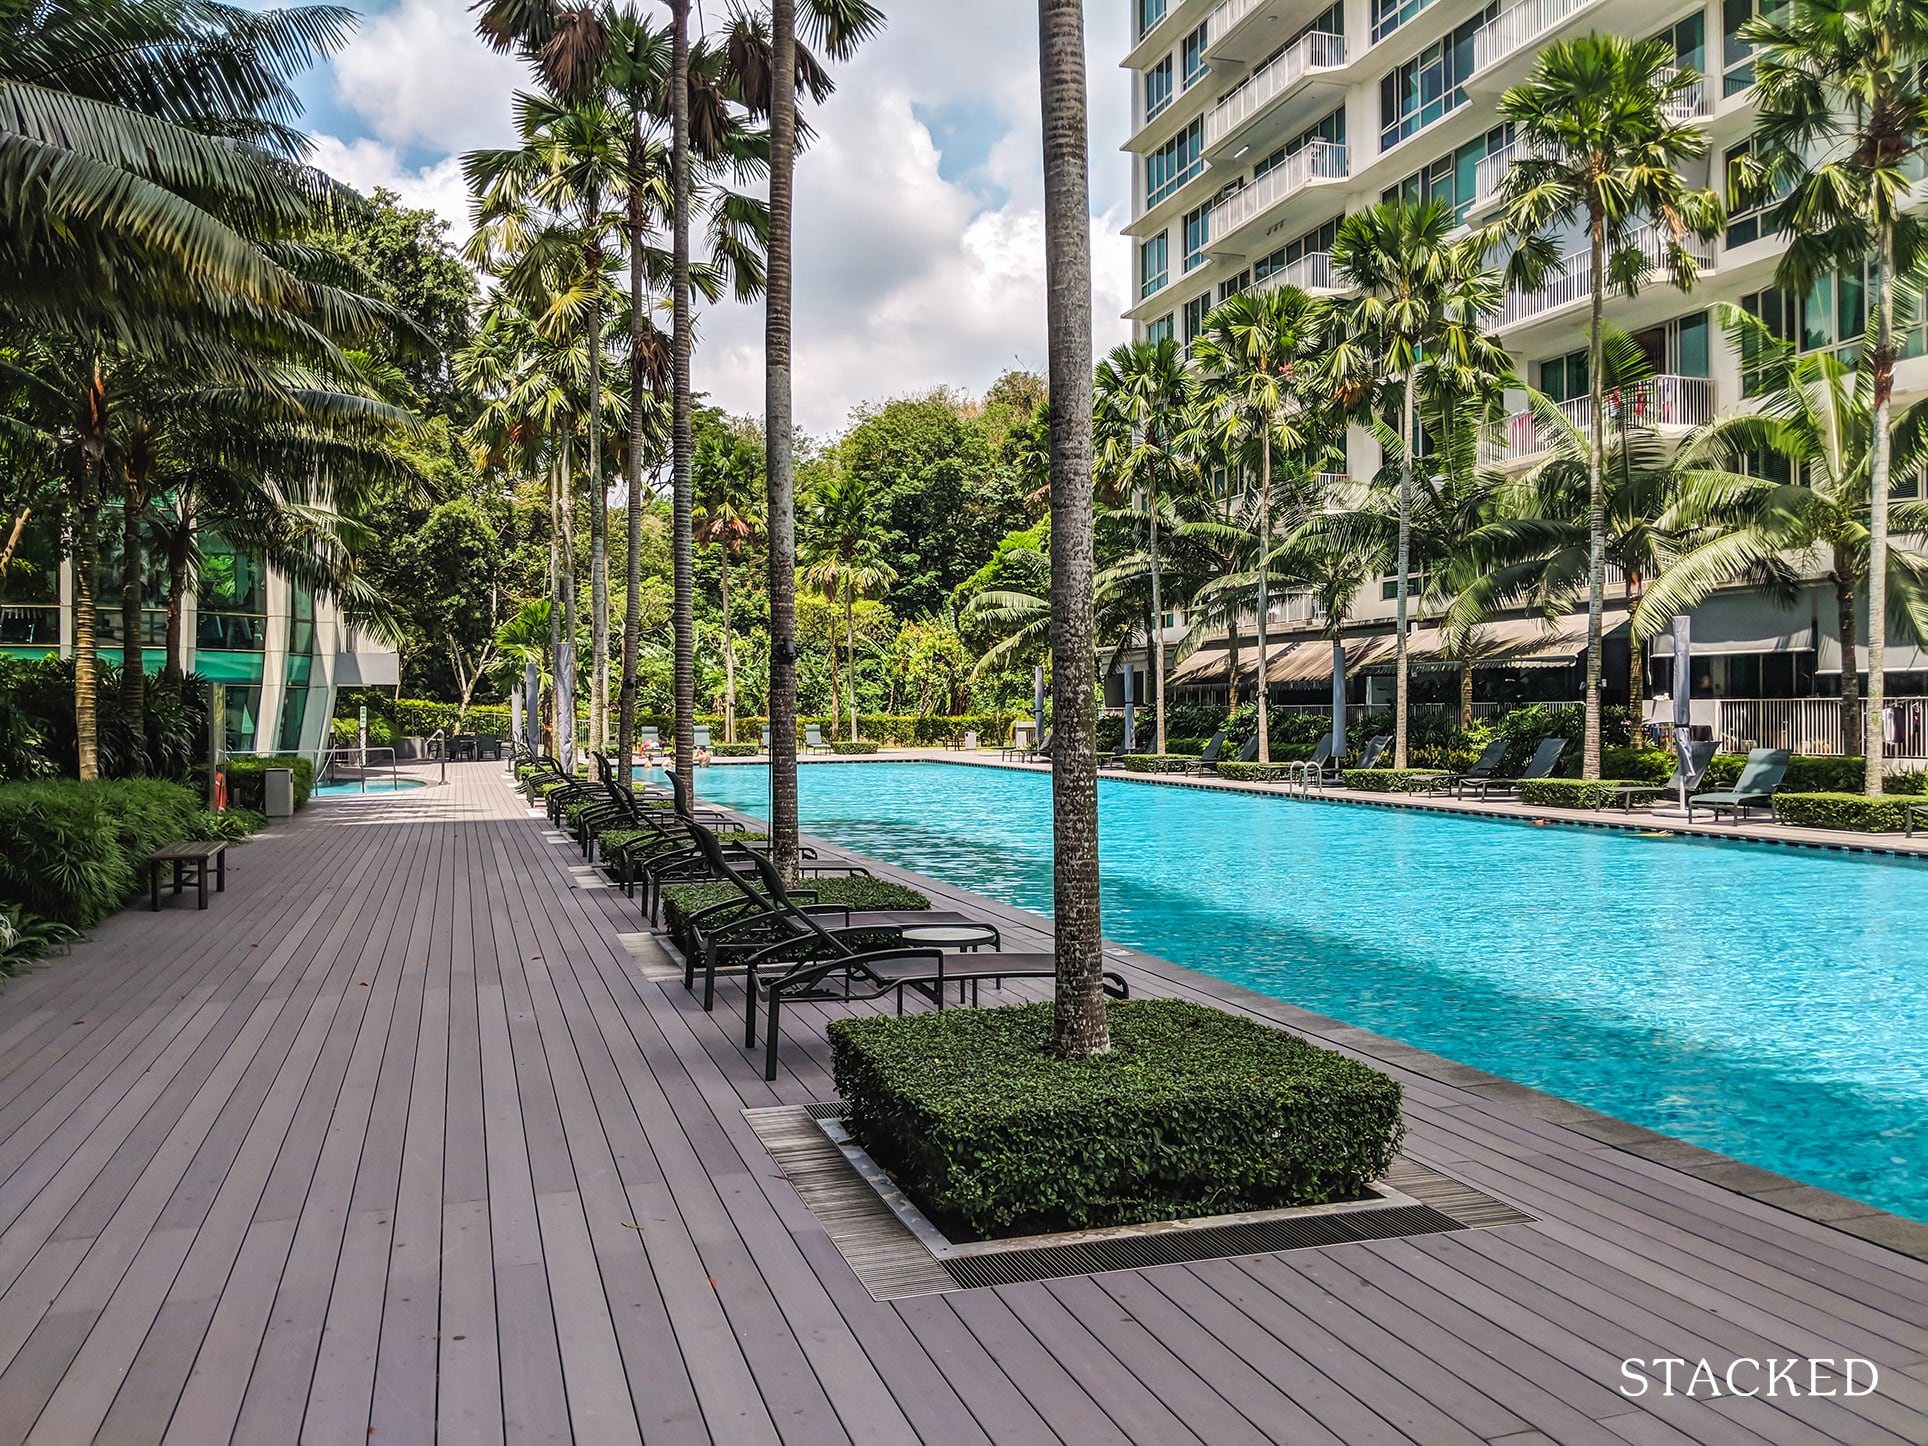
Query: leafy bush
[1191, 747]
[855, 891]
[25, 937]
[857, 749]
[1573, 793]
[248, 788]
[72, 852]
[736, 750]
[393, 718]
[1193, 720]
[1806, 773]
[1638, 765]
[38, 737]
[1158, 762]
[234, 825]
[1844, 810]
[1253, 772]
[1194, 1112]
[1908, 783]
[1110, 734]
[1392, 780]
[1293, 734]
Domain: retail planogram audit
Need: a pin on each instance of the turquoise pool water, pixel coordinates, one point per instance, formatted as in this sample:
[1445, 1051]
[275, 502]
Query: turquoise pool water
[373, 785]
[1768, 1003]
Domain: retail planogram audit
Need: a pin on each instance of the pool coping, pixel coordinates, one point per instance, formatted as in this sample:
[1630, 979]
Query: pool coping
[1813, 1203]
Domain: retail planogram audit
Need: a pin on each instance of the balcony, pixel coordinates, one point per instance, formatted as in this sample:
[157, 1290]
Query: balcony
[1576, 285]
[1690, 103]
[1309, 55]
[1489, 172]
[1520, 28]
[1318, 161]
[1311, 272]
[1662, 403]
[1234, 42]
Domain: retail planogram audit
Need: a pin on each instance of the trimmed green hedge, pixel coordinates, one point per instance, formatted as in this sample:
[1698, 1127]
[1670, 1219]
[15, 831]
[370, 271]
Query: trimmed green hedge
[72, 852]
[857, 891]
[1253, 772]
[1194, 1112]
[1843, 810]
[1573, 793]
[857, 749]
[736, 750]
[1393, 780]
[247, 788]
[1157, 762]
[1806, 773]
[1191, 746]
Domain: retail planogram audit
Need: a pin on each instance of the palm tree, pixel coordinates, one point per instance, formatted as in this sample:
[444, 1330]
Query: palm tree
[1740, 521]
[844, 558]
[1081, 1028]
[1598, 147]
[1423, 298]
[1841, 136]
[1143, 391]
[727, 495]
[1259, 382]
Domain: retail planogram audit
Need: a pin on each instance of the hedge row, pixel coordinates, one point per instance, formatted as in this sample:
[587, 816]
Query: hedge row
[736, 750]
[1844, 810]
[247, 788]
[855, 891]
[860, 748]
[1573, 793]
[1393, 780]
[1254, 772]
[1158, 762]
[1193, 1112]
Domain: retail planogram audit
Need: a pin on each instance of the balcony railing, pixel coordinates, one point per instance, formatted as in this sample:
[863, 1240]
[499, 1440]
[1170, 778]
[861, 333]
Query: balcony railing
[1313, 52]
[1490, 171]
[1815, 725]
[1519, 27]
[1317, 161]
[1230, 13]
[1577, 282]
[1311, 272]
[1688, 104]
[1664, 401]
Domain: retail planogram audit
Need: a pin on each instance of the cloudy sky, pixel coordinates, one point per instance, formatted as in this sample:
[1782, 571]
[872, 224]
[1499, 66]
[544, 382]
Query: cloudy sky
[920, 252]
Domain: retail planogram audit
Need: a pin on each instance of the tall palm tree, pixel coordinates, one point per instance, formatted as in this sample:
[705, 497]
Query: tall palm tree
[1081, 1028]
[728, 495]
[1599, 148]
[1741, 522]
[1424, 295]
[1842, 133]
[843, 550]
[1258, 378]
[1143, 391]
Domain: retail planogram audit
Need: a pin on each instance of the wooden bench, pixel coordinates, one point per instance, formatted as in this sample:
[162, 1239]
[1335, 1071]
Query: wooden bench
[195, 856]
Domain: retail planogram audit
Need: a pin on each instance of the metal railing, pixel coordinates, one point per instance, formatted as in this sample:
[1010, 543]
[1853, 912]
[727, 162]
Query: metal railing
[351, 765]
[1518, 27]
[1815, 725]
[1310, 272]
[1575, 283]
[1317, 161]
[1664, 401]
[1230, 13]
[1315, 51]
[1490, 171]
[1689, 103]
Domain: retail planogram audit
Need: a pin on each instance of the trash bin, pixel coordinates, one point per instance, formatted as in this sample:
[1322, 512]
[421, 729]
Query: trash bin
[278, 792]
[970, 740]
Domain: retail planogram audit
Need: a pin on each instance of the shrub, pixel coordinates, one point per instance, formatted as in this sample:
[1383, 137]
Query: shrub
[1191, 747]
[1158, 762]
[1806, 773]
[1252, 772]
[1573, 793]
[1843, 810]
[71, 852]
[234, 825]
[248, 788]
[1194, 1112]
[1908, 783]
[1638, 765]
[25, 937]
[736, 750]
[1392, 780]
[856, 891]
[858, 748]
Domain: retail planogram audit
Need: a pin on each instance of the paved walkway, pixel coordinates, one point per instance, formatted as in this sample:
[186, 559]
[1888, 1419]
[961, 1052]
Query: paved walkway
[401, 1141]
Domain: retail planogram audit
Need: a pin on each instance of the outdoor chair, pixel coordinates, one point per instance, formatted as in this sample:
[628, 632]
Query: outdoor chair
[766, 738]
[1250, 752]
[1546, 758]
[813, 739]
[1760, 777]
[1306, 771]
[1485, 766]
[702, 738]
[1374, 750]
[1690, 772]
[1029, 753]
[1208, 760]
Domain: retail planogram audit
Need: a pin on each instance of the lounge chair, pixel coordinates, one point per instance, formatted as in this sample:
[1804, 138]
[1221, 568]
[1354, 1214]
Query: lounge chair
[1028, 752]
[1208, 760]
[702, 738]
[1485, 766]
[1699, 755]
[1305, 771]
[766, 738]
[872, 975]
[1762, 775]
[1374, 750]
[813, 739]
[653, 737]
[1546, 758]
[1250, 752]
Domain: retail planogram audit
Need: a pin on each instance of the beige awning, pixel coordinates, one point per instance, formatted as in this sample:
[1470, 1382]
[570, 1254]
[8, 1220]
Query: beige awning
[1512, 642]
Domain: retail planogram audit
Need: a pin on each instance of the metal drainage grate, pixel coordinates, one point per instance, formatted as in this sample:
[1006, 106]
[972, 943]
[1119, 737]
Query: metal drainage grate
[893, 1263]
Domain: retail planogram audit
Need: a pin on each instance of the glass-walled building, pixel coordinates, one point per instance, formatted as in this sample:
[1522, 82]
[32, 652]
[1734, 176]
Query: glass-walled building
[280, 651]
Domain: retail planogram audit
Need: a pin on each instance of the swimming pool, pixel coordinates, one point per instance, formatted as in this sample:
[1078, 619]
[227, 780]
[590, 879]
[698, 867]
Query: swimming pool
[1768, 1003]
[372, 785]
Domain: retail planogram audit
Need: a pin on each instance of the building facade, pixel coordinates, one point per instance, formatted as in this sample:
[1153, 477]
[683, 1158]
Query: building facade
[1258, 124]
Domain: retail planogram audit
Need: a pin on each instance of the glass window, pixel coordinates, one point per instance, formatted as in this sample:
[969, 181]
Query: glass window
[1318, 239]
[1389, 15]
[1689, 40]
[30, 588]
[1233, 285]
[1193, 52]
[1332, 128]
[1690, 345]
[1150, 12]
[1430, 85]
[1159, 330]
[1452, 177]
[1743, 222]
[1196, 310]
[1158, 88]
[1737, 56]
[1198, 232]
[1565, 377]
[1174, 163]
[1154, 264]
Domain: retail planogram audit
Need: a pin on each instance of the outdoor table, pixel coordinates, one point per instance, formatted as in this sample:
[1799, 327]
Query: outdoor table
[965, 939]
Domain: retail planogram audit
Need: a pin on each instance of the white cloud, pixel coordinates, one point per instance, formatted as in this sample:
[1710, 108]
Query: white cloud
[366, 164]
[418, 75]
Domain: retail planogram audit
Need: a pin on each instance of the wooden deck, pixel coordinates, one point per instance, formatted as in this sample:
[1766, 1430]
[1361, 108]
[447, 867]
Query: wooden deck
[397, 1142]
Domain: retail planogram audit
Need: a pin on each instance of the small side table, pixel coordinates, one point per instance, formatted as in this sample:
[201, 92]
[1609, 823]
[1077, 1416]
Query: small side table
[965, 939]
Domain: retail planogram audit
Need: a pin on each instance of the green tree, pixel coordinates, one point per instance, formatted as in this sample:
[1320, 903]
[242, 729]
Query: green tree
[729, 502]
[843, 554]
[1599, 147]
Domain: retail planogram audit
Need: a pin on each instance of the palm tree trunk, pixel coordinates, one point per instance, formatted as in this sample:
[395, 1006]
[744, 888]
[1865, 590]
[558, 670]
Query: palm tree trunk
[683, 547]
[729, 658]
[566, 656]
[1265, 591]
[779, 455]
[1875, 748]
[598, 497]
[85, 560]
[1081, 1028]
[1156, 637]
[1845, 587]
[1636, 666]
[850, 654]
[638, 392]
[1596, 505]
[1403, 560]
[555, 608]
[14, 534]
[133, 694]
[1465, 693]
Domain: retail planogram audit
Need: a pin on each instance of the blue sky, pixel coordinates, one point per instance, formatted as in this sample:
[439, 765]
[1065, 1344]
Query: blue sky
[919, 251]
